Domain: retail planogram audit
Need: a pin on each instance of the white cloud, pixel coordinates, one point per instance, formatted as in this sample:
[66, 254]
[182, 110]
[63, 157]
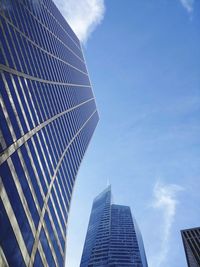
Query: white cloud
[83, 15]
[188, 5]
[165, 199]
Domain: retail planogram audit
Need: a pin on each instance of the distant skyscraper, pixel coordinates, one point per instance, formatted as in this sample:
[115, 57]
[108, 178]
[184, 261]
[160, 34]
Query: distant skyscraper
[113, 238]
[48, 115]
[191, 242]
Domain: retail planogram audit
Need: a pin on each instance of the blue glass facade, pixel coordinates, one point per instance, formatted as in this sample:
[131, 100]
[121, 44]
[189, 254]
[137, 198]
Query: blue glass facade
[126, 245]
[48, 115]
[113, 238]
[97, 240]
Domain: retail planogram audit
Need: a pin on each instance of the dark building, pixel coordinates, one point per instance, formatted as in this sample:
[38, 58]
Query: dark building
[113, 238]
[191, 242]
[48, 115]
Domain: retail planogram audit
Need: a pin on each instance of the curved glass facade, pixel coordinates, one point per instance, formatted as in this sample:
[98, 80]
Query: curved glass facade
[48, 115]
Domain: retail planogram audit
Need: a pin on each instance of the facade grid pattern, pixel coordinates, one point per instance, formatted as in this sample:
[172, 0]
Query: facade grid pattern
[113, 238]
[191, 242]
[124, 249]
[48, 115]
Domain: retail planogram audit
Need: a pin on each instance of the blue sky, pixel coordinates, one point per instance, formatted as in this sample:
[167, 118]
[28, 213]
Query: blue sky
[143, 57]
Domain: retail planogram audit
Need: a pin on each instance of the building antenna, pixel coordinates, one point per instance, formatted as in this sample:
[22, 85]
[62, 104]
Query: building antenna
[108, 182]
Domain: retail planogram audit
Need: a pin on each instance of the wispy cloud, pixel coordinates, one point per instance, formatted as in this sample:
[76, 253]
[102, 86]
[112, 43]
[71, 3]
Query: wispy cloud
[83, 15]
[188, 5]
[165, 199]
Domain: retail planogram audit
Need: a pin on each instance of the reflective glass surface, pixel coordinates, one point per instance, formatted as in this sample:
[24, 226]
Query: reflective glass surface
[47, 118]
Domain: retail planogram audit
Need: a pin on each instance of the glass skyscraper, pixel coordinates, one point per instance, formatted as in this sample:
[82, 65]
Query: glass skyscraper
[48, 115]
[191, 242]
[113, 238]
